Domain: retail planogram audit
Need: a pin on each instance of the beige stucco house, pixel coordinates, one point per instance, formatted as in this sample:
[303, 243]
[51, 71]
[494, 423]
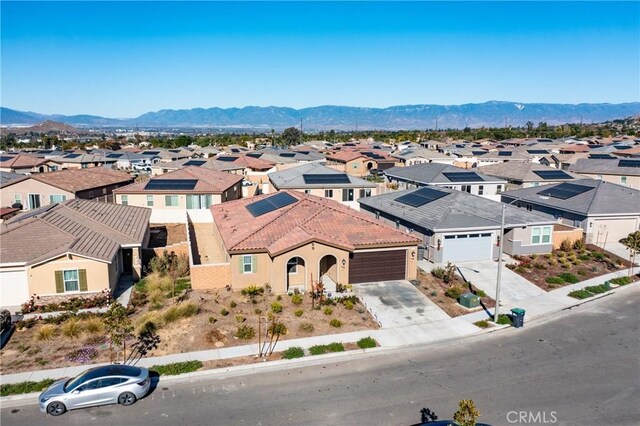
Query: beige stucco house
[291, 240]
[77, 247]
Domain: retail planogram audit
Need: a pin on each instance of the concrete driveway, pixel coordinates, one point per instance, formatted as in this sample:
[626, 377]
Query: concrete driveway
[398, 303]
[513, 287]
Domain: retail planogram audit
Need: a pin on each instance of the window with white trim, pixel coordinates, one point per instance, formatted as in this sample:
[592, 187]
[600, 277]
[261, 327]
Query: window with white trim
[480, 189]
[623, 180]
[171, 200]
[541, 235]
[247, 264]
[292, 265]
[328, 193]
[17, 199]
[498, 189]
[150, 200]
[124, 200]
[71, 280]
[57, 198]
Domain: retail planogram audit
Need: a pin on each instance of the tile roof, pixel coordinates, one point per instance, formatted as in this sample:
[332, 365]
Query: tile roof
[607, 198]
[22, 161]
[523, 172]
[309, 218]
[209, 182]
[76, 180]
[294, 178]
[604, 167]
[344, 156]
[6, 177]
[249, 162]
[211, 163]
[83, 158]
[455, 211]
[433, 173]
[88, 228]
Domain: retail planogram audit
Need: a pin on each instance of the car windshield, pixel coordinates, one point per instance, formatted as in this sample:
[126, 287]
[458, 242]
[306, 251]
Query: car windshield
[109, 370]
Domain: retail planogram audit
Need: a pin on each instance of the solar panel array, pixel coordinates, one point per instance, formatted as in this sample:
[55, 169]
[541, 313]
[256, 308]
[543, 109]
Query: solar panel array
[267, 205]
[197, 163]
[552, 174]
[72, 156]
[151, 153]
[254, 154]
[537, 151]
[601, 157]
[373, 155]
[175, 151]
[629, 163]
[45, 151]
[463, 177]
[235, 150]
[622, 146]
[304, 152]
[171, 184]
[6, 158]
[223, 158]
[114, 155]
[478, 152]
[504, 153]
[564, 191]
[287, 154]
[421, 197]
[318, 179]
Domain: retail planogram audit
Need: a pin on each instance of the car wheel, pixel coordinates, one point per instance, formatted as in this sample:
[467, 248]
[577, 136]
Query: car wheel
[56, 408]
[126, 398]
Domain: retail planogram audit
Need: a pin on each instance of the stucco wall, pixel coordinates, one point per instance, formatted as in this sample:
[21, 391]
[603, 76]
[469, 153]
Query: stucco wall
[30, 186]
[561, 233]
[100, 275]
[632, 181]
[210, 276]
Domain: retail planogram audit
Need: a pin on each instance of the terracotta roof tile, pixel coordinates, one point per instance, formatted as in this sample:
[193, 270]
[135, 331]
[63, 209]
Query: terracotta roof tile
[309, 218]
[76, 180]
[209, 181]
[344, 156]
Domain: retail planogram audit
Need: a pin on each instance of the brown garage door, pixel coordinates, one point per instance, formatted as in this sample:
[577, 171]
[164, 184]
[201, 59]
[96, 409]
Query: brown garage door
[377, 266]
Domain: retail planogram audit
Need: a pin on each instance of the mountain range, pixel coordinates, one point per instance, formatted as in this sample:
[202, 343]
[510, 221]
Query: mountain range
[488, 114]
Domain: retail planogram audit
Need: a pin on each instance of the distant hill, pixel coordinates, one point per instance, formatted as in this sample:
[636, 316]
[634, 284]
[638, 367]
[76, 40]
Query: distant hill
[488, 114]
[44, 127]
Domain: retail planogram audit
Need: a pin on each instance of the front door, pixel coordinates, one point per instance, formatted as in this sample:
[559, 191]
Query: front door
[127, 261]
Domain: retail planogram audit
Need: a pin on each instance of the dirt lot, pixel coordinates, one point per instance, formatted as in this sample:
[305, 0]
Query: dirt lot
[164, 235]
[435, 289]
[208, 329]
[583, 264]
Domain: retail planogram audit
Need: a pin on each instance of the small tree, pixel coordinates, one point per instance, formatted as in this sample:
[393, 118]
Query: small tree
[450, 272]
[148, 340]
[290, 136]
[118, 327]
[632, 242]
[467, 413]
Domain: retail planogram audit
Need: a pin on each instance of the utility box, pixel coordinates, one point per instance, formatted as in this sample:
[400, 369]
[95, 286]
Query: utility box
[518, 317]
[469, 300]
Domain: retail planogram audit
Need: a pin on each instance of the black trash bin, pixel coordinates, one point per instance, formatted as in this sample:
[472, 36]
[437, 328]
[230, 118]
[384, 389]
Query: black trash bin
[518, 317]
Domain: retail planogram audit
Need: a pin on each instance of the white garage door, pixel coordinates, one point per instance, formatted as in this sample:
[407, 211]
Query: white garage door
[466, 247]
[613, 229]
[14, 289]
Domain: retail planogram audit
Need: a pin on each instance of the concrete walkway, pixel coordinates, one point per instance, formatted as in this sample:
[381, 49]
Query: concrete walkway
[397, 303]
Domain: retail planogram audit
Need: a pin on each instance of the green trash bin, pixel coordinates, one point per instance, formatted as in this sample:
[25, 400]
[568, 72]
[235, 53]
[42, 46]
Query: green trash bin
[518, 317]
[469, 300]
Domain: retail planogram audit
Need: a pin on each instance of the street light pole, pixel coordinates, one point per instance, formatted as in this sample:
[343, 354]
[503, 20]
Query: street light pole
[499, 277]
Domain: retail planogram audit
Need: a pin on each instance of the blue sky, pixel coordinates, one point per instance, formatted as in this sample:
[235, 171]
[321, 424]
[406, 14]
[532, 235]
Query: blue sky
[123, 59]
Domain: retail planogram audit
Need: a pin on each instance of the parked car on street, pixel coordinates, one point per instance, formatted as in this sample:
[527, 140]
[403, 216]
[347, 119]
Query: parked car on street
[110, 384]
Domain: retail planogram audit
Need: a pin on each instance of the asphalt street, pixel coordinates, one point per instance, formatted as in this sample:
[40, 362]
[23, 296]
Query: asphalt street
[578, 367]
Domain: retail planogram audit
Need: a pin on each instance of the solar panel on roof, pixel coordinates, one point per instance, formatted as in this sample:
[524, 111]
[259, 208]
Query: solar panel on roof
[254, 155]
[304, 152]
[114, 155]
[544, 140]
[72, 156]
[421, 197]
[175, 151]
[195, 163]
[622, 146]
[287, 154]
[629, 163]
[45, 151]
[565, 191]
[460, 146]
[171, 184]
[151, 153]
[537, 151]
[463, 177]
[266, 205]
[478, 152]
[223, 158]
[6, 158]
[602, 157]
[552, 174]
[476, 145]
[316, 179]
[504, 153]
[235, 150]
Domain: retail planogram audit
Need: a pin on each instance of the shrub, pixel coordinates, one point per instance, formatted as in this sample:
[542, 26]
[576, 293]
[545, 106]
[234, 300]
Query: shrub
[584, 257]
[534, 256]
[553, 262]
[560, 254]
[335, 323]
[45, 332]
[93, 325]
[433, 294]
[279, 297]
[367, 342]
[240, 319]
[566, 245]
[480, 293]
[438, 272]
[569, 278]
[252, 290]
[276, 307]
[298, 313]
[580, 294]
[82, 355]
[482, 324]
[454, 292]
[213, 320]
[554, 280]
[582, 272]
[188, 309]
[620, 280]
[233, 304]
[548, 255]
[245, 332]
[579, 244]
[328, 311]
[597, 255]
[296, 299]
[511, 266]
[521, 270]
[539, 265]
[307, 327]
[318, 350]
[335, 347]
[597, 289]
[95, 340]
[177, 368]
[348, 304]
[171, 315]
[293, 352]
[72, 328]
[25, 387]
[214, 335]
[257, 311]
[224, 312]
[504, 319]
